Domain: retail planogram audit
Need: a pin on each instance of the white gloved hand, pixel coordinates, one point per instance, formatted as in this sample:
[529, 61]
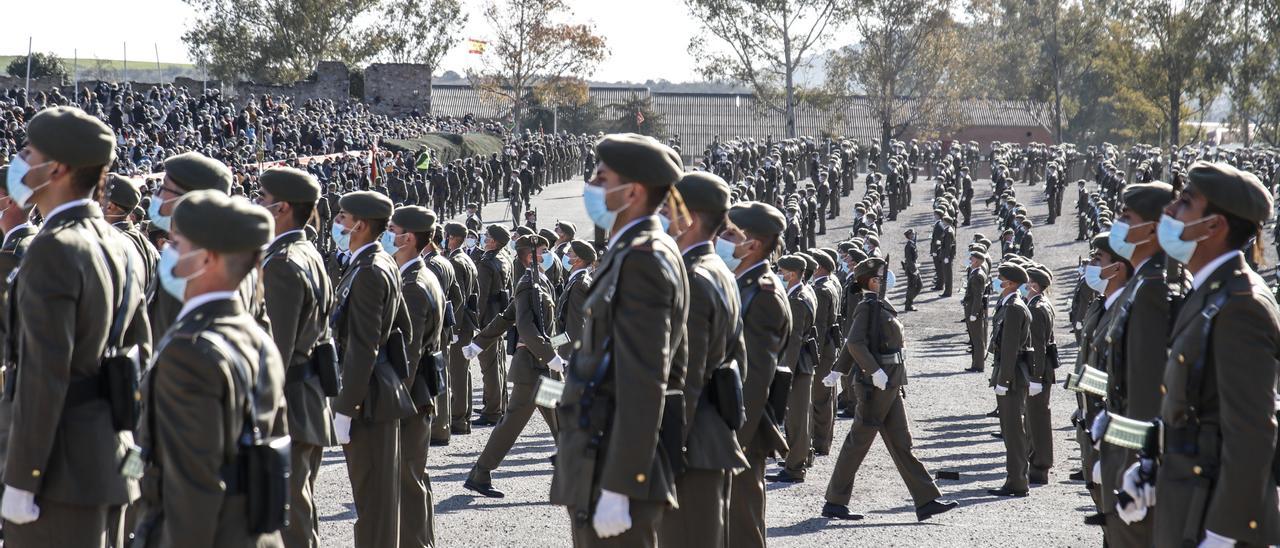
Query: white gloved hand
[880, 379]
[342, 428]
[946, 261]
[973, 318]
[1001, 390]
[1079, 326]
[556, 364]
[1214, 540]
[613, 514]
[1133, 513]
[470, 351]
[1098, 428]
[453, 339]
[832, 379]
[1095, 474]
[19, 506]
[1143, 495]
[1034, 389]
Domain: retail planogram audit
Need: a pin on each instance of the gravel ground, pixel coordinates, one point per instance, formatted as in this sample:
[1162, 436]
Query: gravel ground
[947, 407]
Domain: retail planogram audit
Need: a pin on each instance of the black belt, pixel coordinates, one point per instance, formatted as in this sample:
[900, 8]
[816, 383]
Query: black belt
[300, 373]
[82, 391]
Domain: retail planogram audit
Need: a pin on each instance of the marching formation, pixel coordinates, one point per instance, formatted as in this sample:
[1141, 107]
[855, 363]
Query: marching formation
[179, 353]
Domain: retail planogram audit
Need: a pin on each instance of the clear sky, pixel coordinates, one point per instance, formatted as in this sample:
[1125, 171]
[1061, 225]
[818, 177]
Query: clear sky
[647, 39]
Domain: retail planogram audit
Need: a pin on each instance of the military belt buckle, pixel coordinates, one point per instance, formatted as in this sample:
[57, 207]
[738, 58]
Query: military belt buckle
[1128, 433]
[549, 392]
[1093, 381]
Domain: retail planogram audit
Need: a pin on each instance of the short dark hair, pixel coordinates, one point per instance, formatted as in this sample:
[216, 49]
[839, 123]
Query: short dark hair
[87, 181]
[421, 239]
[301, 212]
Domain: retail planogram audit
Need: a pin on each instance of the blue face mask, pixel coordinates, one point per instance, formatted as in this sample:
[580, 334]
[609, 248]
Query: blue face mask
[1023, 290]
[341, 237]
[548, 259]
[388, 241]
[1169, 233]
[568, 265]
[593, 199]
[890, 279]
[174, 285]
[724, 249]
[1120, 233]
[1093, 278]
[665, 222]
[997, 286]
[163, 222]
[18, 190]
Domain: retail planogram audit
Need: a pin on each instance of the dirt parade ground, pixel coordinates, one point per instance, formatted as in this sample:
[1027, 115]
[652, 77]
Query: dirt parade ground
[947, 407]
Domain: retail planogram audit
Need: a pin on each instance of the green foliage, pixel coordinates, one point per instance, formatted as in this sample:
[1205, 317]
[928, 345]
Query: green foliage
[43, 65]
[449, 146]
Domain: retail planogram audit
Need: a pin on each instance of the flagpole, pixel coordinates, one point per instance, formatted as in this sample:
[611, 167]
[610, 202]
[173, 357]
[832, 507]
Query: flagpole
[27, 93]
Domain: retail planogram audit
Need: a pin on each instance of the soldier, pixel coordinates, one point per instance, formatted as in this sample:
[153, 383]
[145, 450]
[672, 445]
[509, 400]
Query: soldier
[466, 324]
[1011, 346]
[577, 260]
[1137, 344]
[828, 291]
[530, 319]
[410, 231]
[1043, 361]
[494, 273]
[910, 256]
[715, 346]
[1215, 475]
[441, 268]
[947, 253]
[18, 233]
[616, 491]
[975, 310]
[371, 320]
[299, 299]
[118, 202]
[754, 234]
[71, 319]
[216, 388]
[1026, 244]
[874, 346]
[800, 356]
[935, 248]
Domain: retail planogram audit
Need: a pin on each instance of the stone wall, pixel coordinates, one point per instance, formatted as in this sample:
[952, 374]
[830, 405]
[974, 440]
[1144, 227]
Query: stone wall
[332, 81]
[397, 88]
[37, 84]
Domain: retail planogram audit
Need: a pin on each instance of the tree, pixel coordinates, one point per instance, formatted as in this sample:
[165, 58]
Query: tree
[650, 122]
[43, 65]
[531, 45]
[909, 65]
[1182, 57]
[280, 40]
[1251, 56]
[1266, 90]
[763, 43]
[421, 31]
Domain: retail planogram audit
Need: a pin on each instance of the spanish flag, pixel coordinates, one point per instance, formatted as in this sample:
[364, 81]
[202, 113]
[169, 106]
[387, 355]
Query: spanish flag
[476, 46]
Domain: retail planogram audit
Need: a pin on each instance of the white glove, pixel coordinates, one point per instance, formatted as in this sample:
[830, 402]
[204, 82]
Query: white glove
[1214, 540]
[470, 351]
[1034, 389]
[1079, 326]
[1001, 390]
[453, 339]
[19, 506]
[1098, 428]
[946, 261]
[1095, 475]
[832, 379]
[613, 514]
[342, 428]
[973, 318]
[556, 364]
[880, 379]
[1133, 485]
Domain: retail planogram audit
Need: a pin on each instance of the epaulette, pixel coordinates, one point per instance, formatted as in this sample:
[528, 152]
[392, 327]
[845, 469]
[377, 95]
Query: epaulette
[766, 282]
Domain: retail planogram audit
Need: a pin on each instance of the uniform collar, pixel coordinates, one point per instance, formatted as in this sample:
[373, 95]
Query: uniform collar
[13, 231]
[48, 219]
[202, 299]
[618, 235]
[1205, 271]
[286, 234]
[753, 268]
[409, 264]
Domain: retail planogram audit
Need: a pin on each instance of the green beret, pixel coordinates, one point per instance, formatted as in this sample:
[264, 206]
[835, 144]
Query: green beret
[794, 263]
[366, 204]
[1236, 192]
[844, 247]
[499, 233]
[123, 191]
[523, 230]
[1040, 276]
[1013, 273]
[195, 171]
[867, 267]
[810, 264]
[704, 192]
[529, 241]
[757, 218]
[454, 228]
[569, 229]
[640, 158]
[547, 235]
[978, 254]
[583, 250]
[287, 184]
[1102, 242]
[873, 240]
[1148, 200]
[217, 222]
[414, 218]
[68, 135]
[824, 260]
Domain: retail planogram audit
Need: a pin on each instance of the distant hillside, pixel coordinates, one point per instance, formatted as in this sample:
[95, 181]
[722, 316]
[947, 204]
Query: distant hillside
[140, 70]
